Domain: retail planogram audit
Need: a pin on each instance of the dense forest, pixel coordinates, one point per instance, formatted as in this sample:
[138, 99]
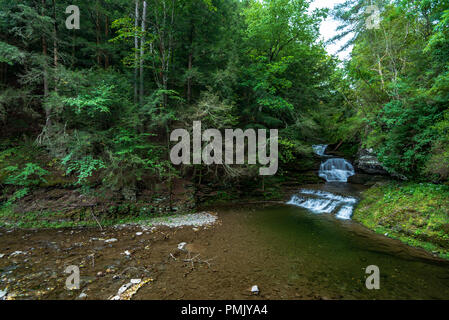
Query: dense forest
[99, 102]
[91, 93]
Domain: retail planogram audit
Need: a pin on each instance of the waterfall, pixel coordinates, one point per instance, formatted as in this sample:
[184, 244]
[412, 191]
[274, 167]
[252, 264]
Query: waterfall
[332, 170]
[320, 149]
[336, 170]
[324, 202]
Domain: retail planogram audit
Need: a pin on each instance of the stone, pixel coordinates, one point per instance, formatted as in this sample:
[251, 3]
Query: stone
[82, 296]
[182, 246]
[136, 281]
[3, 294]
[255, 290]
[139, 233]
[1, 255]
[16, 253]
[111, 240]
[367, 162]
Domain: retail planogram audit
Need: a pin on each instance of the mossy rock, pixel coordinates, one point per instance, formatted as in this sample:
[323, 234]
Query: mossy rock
[417, 214]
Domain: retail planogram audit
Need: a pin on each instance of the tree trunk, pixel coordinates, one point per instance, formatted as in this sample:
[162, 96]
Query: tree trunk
[136, 55]
[45, 74]
[73, 46]
[190, 64]
[45, 71]
[97, 28]
[106, 34]
[55, 53]
[142, 51]
[55, 37]
[189, 79]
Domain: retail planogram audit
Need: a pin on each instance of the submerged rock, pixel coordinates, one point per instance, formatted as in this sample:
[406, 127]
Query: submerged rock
[182, 246]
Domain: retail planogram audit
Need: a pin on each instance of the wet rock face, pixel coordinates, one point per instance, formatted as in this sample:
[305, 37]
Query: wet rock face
[367, 179]
[367, 162]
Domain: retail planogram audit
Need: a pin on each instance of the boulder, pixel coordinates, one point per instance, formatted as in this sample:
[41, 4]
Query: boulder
[367, 162]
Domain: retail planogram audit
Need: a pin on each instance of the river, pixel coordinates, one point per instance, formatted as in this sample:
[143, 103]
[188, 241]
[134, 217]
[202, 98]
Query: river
[306, 248]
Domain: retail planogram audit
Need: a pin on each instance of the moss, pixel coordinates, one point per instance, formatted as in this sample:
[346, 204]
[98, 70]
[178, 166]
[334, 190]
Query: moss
[417, 214]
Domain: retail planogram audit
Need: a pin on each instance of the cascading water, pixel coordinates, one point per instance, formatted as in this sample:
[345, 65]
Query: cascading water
[332, 170]
[320, 149]
[336, 170]
[324, 202]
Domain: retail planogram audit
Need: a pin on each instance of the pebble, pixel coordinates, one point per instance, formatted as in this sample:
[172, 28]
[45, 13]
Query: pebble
[3, 294]
[82, 296]
[255, 290]
[139, 233]
[1, 255]
[194, 220]
[111, 240]
[136, 281]
[16, 253]
[127, 253]
[182, 246]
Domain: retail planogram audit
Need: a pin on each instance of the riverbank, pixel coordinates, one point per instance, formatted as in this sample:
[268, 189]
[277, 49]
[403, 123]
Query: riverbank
[288, 252]
[415, 213]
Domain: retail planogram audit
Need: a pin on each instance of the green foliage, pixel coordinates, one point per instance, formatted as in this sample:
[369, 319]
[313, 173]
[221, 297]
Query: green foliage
[414, 213]
[95, 102]
[29, 175]
[10, 54]
[399, 74]
[290, 151]
[83, 167]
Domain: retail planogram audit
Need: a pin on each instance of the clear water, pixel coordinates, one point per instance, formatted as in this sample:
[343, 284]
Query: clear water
[330, 256]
